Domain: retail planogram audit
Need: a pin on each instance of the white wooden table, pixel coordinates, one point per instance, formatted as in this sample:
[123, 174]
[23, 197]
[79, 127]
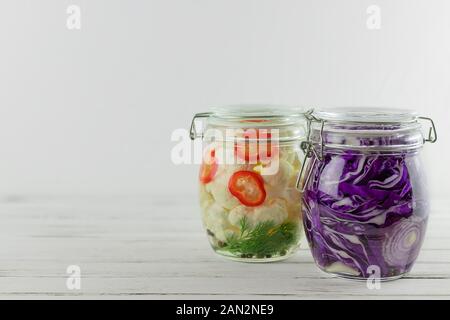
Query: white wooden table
[154, 247]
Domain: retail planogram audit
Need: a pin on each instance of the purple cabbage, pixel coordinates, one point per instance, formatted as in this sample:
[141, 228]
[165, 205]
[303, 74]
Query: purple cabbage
[362, 210]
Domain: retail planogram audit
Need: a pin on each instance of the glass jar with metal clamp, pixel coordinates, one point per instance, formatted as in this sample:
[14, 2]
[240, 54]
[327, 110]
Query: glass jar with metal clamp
[365, 202]
[251, 209]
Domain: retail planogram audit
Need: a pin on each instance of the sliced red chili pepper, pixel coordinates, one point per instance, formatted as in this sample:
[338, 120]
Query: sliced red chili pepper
[248, 188]
[209, 167]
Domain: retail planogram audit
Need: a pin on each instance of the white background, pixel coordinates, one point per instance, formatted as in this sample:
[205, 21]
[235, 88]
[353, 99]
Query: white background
[91, 111]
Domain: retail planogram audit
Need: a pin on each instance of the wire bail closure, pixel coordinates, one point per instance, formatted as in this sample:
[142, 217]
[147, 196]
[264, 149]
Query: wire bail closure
[309, 150]
[432, 133]
[193, 131]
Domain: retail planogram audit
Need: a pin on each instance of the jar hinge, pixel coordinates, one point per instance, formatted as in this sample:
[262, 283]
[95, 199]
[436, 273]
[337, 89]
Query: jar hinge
[432, 133]
[309, 150]
[193, 131]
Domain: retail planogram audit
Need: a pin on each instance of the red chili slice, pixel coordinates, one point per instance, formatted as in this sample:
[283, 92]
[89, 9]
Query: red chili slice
[248, 188]
[209, 167]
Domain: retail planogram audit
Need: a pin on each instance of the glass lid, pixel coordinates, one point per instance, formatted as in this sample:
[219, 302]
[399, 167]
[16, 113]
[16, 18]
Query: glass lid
[289, 121]
[367, 128]
[366, 115]
[256, 111]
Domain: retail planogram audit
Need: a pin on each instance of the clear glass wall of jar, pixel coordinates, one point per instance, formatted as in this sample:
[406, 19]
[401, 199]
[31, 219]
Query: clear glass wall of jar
[251, 209]
[365, 202]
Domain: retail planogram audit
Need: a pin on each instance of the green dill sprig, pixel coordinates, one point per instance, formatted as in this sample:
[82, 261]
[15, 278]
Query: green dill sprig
[264, 240]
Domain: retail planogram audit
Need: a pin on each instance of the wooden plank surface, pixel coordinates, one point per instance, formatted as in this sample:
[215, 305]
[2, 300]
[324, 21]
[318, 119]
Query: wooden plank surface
[153, 247]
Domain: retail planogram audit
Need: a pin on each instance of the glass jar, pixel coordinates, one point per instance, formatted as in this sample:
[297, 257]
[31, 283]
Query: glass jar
[251, 209]
[365, 205]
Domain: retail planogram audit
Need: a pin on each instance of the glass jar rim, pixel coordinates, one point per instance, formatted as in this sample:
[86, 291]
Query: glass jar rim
[290, 121]
[257, 111]
[366, 128]
[375, 115]
[258, 115]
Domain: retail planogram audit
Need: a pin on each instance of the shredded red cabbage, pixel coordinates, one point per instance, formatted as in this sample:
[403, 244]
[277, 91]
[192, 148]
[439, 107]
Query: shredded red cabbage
[364, 210]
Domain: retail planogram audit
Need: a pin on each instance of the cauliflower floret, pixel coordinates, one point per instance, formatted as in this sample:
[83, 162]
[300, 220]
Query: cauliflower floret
[291, 155]
[292, 195]
[238, 213]
[215, 220]
[287, 154]
[205, 197]
[287, 192]
[274, 210]
[282, 177]
[218, 187]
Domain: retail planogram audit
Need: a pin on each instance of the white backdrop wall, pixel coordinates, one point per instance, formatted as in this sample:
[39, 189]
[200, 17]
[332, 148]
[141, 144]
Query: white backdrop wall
[91, 111]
